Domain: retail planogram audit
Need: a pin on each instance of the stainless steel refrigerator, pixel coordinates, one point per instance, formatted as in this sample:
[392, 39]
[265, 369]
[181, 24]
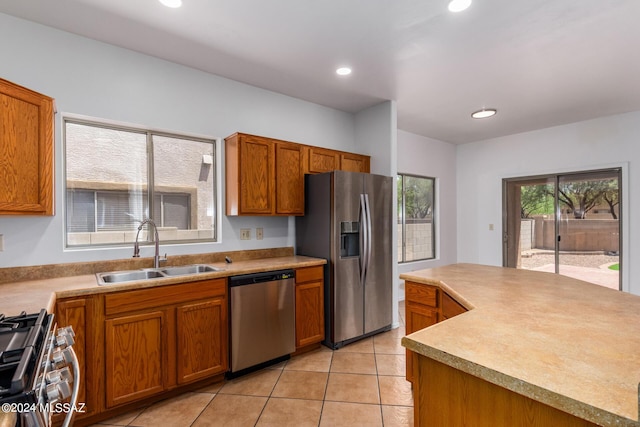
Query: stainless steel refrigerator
[348, 221]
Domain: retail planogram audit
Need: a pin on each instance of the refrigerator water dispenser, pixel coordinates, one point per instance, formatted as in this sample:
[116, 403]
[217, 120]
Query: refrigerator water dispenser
[349, 239]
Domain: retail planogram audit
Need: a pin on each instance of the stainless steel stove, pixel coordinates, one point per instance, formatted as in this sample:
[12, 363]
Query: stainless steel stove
[37, 370]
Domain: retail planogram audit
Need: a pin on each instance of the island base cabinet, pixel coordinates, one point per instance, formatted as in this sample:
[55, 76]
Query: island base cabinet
[417, 317]
[135, 356]
[445, 396]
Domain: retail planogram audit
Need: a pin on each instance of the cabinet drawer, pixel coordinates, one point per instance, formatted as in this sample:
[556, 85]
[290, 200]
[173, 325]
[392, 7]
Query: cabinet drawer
[122, 302]
[309, 274]
[421, 294]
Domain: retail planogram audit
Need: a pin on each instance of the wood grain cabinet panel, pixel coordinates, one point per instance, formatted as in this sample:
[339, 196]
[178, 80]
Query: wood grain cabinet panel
[80, 313]
[450, 307]
[26, 151]
[160, 338]
[426, 305]
[418, 316]
[354, 162]
[264, 176]
[136, 350]
[202, 339]
[309, 306]
[446, 396]
[257, 162]
[323, 160]
[289, 179]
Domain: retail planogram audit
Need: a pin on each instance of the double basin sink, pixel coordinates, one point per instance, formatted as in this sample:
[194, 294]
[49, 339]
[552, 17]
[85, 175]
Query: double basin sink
[115, 277]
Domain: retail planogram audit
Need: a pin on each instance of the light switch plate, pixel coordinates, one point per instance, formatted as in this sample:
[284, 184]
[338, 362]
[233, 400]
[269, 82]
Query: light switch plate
[245, 234]
[259, 233]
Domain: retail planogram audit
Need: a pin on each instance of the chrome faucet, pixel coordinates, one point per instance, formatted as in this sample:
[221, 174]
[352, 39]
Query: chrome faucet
[136, 246]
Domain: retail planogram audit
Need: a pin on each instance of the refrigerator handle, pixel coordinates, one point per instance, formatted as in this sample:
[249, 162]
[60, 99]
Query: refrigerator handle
[369, 235]
[364, 241]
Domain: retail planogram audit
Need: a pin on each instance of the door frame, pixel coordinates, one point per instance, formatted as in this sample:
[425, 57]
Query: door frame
[513, 238]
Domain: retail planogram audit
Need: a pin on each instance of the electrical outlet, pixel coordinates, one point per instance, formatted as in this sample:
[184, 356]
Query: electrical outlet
[259, 233]
[490, 227]
[245, 234]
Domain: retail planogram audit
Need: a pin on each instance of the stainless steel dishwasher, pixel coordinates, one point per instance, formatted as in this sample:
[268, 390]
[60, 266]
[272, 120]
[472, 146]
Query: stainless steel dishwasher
[262, 308]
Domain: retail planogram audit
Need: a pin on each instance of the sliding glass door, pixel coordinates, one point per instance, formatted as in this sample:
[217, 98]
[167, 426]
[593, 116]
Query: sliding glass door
[566, 223]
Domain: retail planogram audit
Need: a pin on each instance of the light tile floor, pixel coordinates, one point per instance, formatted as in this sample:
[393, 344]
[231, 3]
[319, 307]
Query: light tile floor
[360, 384]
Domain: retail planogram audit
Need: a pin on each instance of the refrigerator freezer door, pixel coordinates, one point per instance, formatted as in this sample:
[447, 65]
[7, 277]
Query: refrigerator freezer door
[378, 286]
[348, 292]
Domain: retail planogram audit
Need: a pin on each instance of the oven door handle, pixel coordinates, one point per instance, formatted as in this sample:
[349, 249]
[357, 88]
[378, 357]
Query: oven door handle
[76, 388]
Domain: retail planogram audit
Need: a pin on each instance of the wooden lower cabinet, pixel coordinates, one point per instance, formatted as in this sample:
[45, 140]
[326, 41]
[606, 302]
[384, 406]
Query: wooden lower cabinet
[418, 317]
[161, 338]
[202, 336]
[136, 356]
[81, 314]
[425, 305]
[309, 306]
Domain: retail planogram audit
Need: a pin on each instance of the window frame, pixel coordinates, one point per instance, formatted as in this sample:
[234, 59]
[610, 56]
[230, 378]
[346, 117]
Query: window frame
[150, 132]
[402, 219]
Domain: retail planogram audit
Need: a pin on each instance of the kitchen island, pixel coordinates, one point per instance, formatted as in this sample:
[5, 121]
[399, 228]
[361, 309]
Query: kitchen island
[534, 349]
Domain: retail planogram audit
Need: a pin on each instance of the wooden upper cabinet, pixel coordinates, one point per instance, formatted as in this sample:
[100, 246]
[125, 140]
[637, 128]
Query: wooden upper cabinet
[319, 160]
[289, 179]
[26, 151]
[322, 160]
[354, 162]
[265, 176]
[250, 175]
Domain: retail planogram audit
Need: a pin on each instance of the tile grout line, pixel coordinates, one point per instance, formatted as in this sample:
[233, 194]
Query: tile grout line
[326, 386]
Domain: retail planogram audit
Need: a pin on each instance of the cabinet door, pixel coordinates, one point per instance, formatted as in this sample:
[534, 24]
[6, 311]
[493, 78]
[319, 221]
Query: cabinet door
[322, 160]
[289, 179]
[354, 163]
[256, 175]
[79, 314]
[309, 313]
[136, 354]
[26, 151]
[417, 317]
[202, 339]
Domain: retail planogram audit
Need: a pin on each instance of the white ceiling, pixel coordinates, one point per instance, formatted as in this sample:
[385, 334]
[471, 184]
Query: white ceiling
[539, 62]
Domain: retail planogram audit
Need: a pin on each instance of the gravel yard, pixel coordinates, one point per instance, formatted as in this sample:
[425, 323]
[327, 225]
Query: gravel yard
[596, 260]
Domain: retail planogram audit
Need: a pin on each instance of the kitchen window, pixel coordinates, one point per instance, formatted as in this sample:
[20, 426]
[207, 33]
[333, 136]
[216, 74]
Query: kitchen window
[117, 176]
[416, 220]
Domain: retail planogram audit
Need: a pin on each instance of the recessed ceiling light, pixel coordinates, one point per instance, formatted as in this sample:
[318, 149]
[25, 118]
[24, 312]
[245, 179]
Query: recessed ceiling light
[171, 3]
[459, 5]
[343, 71]
[484, 113]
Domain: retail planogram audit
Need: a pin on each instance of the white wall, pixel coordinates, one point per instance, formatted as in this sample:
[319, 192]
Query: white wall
[599, 143]
[95, 79]
[419, 155]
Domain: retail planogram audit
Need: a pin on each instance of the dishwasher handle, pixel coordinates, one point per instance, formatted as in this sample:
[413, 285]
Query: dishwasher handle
[269, 276]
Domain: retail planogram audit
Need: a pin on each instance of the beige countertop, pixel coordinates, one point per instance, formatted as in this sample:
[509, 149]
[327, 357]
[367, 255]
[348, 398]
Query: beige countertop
[569, 344]
[33, 295]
